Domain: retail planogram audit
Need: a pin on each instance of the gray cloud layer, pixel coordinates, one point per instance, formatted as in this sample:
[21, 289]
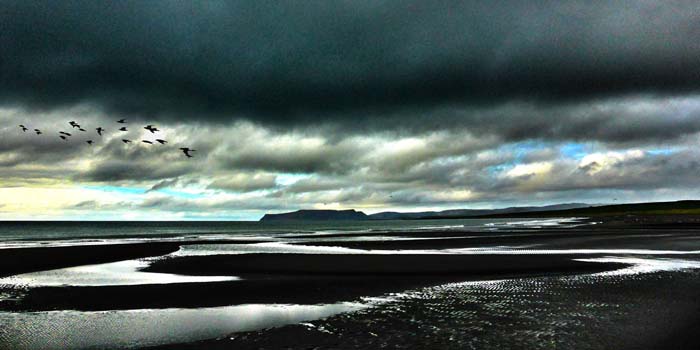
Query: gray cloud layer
[362, 103]
[280, 61]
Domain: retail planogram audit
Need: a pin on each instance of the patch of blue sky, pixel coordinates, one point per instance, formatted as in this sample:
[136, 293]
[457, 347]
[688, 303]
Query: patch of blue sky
[523, 148]
[574, 150]
[662, 151]
[499, 168]
[138, 190]
[518, 151]
[118, 189]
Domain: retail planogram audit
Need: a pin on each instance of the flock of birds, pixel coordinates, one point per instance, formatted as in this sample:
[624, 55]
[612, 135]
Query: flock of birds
[64, 135]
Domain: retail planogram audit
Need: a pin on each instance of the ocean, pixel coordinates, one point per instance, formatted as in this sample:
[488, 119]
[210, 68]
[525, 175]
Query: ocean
[26, 233]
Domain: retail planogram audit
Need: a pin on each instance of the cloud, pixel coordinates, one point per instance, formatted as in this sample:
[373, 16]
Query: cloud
[243, 182]
[597, 162]
[348, 104]
[529, 170]
[163, 184]
[280, 63]
[118, 170]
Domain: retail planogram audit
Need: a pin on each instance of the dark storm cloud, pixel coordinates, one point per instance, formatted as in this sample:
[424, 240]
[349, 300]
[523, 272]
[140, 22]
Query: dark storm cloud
[302, 61]
[118, 170]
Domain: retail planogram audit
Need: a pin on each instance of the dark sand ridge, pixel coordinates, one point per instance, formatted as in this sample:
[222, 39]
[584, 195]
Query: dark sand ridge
[22, 260]
[371, 264]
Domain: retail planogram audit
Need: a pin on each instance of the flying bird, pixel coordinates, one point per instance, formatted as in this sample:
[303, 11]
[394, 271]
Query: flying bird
[148, 142]
[74, 124]
[162, 142]
[121, 121]
[81, 129]
[89, 142]
[187, 151]
[99, 131]
[64, 133]
[151, 128]
[24, 128]
[126, 141]
[63, 137]
[123, 128]
[37, 131]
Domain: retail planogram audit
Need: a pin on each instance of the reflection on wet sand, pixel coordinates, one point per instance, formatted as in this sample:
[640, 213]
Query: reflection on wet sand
[623, 309]
[120, 273]
[135, 328]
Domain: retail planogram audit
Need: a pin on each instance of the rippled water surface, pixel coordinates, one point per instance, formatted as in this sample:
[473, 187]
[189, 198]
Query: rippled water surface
[635, 308]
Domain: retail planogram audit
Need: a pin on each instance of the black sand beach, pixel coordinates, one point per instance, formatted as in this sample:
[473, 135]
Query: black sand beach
[545, 283]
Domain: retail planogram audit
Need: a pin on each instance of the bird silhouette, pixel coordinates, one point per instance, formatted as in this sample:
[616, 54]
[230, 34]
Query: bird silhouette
[151, 128]
[74, 124]
[187, 151]
[63, 137]
[64, 133]
[162, 142]
[89, 142]
[126, 141]
[99, 131]
[37, 131]
[24, 128]
[81, 129]
[122, 121]
[123, 128]
[148, 142]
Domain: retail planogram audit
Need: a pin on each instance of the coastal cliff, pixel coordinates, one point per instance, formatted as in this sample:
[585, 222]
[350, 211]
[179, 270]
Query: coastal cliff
[326, 215]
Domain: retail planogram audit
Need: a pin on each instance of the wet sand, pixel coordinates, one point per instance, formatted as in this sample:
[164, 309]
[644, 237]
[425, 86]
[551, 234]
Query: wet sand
[22, 260]
[369, 265]
[303, 278]
[535, 299]
[628, 312]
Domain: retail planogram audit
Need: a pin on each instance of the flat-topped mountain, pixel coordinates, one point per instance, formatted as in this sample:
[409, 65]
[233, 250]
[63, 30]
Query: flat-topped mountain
[351, 214]
[330, 215]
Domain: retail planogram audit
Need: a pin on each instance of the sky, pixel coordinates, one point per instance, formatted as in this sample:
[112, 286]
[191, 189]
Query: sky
[371, 105]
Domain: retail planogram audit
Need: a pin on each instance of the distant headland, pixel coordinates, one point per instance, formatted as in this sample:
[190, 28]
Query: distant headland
[352, 214]
[684, 207]
[317, 215]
